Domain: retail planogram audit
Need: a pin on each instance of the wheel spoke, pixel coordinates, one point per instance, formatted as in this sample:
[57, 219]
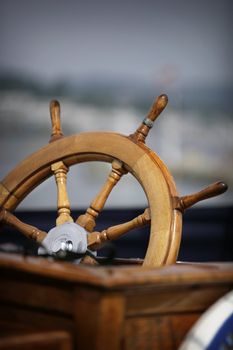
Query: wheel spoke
[95, 239]
[87, 220]
[29, 231]
[63, 205]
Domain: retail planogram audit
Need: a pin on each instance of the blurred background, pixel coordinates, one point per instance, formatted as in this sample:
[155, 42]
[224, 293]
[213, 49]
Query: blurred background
[106, 61]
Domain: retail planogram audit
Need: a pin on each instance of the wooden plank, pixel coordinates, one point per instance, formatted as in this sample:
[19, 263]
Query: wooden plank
[157, 333]
[37, 294]
[196, 298]
[15, 319]
[47, 341]
[99, 319]
[118, 277]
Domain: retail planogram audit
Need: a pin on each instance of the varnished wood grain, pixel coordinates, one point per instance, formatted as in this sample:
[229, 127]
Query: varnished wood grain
[102, 327]
[120, 276]
[160, 333]
[59, 340]
[24, 319]
[193, 298]
[38, 294]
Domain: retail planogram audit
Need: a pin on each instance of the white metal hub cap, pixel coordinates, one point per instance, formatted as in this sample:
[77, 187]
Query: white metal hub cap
[69, 237]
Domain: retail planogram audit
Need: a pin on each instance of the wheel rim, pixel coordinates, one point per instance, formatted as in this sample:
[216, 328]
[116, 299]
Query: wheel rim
[145, 166]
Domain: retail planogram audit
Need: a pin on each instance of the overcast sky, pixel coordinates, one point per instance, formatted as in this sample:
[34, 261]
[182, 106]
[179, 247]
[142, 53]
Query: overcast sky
[187, 41]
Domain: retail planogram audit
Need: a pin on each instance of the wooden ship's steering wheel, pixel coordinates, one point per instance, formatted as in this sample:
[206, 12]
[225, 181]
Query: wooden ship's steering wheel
[126, 154]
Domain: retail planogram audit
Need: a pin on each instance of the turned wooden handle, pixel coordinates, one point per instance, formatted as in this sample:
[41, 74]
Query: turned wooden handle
[157, 107]
[213, 190]
[95, 239]
[55, 120]
[28, 230]
[143, 130]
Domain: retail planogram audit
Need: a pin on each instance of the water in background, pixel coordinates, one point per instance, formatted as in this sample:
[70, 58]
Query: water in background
[193, 136]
